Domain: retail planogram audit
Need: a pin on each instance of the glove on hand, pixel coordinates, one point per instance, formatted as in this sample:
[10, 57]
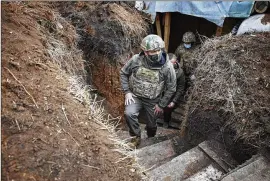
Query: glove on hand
[129, 98]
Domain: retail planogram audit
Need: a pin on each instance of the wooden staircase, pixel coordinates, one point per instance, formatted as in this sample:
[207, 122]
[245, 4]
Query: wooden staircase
[168, 157]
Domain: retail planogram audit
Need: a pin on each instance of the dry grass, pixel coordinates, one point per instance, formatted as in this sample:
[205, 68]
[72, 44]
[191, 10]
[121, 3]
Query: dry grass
[64, 51]
[61, 43]
[65, 54]
[69, 58]
[60, 37]
[131, 25]
[232, 77]
[82, 92]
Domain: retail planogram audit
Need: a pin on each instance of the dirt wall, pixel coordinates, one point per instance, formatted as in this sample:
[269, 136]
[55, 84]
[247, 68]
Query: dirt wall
[110, 34]
[105, 78]
[46, 133]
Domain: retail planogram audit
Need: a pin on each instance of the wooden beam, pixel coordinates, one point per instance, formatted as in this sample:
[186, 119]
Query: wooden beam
[167, 29]
[219, 31]
[158, 25]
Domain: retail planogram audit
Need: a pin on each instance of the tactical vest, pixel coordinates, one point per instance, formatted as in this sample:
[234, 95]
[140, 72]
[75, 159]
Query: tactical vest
[146, 83]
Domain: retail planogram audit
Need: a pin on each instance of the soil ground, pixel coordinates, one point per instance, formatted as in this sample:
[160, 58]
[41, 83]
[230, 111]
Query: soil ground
[46, 133]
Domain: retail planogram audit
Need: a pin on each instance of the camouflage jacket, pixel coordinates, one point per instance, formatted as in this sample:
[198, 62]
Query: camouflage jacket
[180, 85]
[165, 72]
[185, 57]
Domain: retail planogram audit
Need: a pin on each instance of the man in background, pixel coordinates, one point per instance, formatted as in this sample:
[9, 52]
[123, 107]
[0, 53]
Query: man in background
[185, 54]
[180, 89]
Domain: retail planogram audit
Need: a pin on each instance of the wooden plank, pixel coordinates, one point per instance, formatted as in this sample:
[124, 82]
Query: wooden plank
[151, 155]
[219, 31]
[186, 164]
[217, 152]
[167, 29]
[158, 26]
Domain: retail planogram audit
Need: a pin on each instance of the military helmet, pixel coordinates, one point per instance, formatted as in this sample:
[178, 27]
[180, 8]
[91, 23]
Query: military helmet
[189, 37]
[152, 43]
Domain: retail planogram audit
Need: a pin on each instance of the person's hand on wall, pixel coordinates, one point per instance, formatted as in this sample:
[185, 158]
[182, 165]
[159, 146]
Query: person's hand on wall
[129, 98]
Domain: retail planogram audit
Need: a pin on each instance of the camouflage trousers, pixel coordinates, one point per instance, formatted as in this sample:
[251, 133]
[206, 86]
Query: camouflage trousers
[132, 112]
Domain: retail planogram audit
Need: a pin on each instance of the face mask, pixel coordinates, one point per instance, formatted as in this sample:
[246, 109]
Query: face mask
[187, 45]
[154, 58]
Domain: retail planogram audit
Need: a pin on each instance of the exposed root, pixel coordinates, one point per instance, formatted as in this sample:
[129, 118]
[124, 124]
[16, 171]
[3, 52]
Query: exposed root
[22, 86]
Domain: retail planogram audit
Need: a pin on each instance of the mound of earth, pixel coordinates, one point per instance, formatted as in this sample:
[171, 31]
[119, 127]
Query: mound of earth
[232, 88]
[106, 28]
[110, 34]
[46, 133]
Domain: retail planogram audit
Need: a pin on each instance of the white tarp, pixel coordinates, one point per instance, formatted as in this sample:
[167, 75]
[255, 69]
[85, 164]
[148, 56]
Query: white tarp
[254, 24]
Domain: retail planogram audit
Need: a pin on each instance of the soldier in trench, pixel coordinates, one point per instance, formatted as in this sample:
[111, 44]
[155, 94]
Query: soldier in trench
[180, 90]
[143, 79]
[184, 54]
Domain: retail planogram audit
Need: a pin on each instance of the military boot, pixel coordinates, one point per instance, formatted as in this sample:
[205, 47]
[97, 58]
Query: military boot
[151, 132]
[134, 142]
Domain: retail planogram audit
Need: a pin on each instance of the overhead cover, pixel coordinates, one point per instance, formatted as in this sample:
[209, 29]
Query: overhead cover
[214, 11]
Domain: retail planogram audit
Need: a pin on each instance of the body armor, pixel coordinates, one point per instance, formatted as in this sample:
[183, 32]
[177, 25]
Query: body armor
[146, 83]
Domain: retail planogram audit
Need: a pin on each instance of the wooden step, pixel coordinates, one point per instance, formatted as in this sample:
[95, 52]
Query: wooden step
[152, 156]
[175, 125]
[209, 173]
[181, 167]
[154, 140]
[259, 170]
[124, 134]
[180, 110]
[218, 153]
[262, 175]
[162, 135]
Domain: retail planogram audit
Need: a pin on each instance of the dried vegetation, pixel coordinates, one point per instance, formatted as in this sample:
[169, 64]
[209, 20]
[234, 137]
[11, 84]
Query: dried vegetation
[46, 134]
[233, 79]
[106, 28]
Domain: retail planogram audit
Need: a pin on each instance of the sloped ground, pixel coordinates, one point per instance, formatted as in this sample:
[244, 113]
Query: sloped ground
[111, 33]
[46, 133]
[231, 93]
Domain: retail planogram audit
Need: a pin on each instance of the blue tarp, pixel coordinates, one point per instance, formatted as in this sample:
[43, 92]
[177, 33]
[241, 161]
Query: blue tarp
[214, 11]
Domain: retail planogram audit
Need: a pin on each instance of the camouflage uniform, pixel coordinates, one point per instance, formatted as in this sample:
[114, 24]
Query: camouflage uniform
[180, 89]
[180, 85]
[185, 56]
[147, 81]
